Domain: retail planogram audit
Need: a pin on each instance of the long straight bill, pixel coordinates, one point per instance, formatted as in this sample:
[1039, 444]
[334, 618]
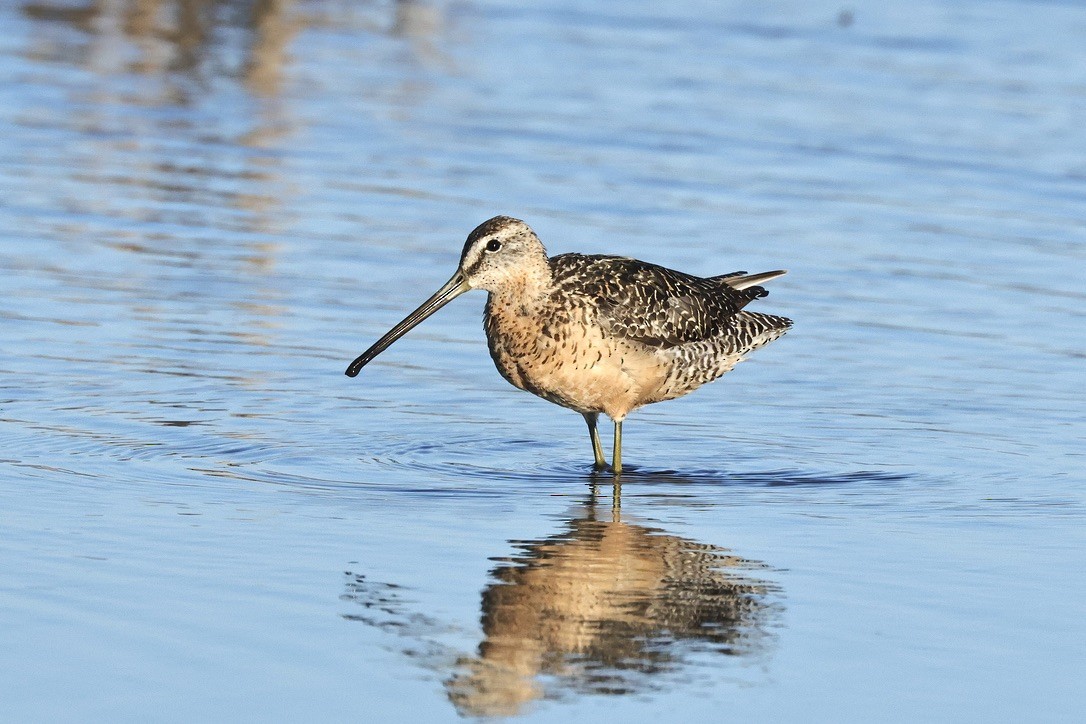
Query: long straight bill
[450, 291]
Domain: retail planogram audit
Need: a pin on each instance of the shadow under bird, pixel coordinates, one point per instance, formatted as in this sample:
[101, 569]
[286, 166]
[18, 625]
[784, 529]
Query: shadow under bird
[598, 333]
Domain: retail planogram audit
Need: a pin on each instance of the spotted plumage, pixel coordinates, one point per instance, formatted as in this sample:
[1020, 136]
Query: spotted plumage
[599, 334]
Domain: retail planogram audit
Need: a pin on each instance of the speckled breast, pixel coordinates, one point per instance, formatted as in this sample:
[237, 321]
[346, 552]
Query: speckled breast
[564, 355]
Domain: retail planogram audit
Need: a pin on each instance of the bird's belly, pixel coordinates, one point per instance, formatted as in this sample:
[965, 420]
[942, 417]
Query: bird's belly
[577, 366]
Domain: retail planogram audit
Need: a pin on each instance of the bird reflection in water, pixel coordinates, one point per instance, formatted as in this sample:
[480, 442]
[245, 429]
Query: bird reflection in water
[606, 606]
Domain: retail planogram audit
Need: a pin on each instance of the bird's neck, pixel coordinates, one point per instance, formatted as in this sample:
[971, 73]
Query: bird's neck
[528, 284]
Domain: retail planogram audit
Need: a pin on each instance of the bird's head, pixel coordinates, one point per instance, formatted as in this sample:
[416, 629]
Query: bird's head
[502, 251]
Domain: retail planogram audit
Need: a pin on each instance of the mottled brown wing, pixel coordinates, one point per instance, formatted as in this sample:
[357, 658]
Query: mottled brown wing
[648, 303]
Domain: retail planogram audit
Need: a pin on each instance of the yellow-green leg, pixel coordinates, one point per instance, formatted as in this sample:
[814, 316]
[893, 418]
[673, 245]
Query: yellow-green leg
[597, 448]
[616, 463]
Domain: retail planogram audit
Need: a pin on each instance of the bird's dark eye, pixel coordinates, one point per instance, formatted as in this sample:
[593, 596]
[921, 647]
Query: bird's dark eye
[493, 245]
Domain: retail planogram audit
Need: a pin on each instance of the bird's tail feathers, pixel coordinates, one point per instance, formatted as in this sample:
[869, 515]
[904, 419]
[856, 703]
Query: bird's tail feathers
[742, 280]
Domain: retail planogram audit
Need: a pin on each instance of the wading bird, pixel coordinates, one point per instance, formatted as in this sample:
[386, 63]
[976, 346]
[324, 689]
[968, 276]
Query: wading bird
[598, 333]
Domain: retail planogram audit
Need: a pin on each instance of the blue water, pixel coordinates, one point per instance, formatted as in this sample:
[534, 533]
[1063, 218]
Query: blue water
[208, 209]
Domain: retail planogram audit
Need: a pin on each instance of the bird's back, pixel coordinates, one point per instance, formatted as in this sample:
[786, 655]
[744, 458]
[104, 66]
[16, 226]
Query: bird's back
[664, 308]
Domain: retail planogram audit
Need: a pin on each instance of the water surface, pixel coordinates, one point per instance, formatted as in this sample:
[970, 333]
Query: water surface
[210, 208]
